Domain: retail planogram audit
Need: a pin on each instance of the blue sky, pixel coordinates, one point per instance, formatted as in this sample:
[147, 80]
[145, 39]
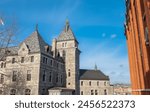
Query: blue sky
[97, 24]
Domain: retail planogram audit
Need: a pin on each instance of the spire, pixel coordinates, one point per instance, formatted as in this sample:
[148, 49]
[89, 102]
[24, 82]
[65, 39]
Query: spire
[36, 27]
[67, 25]
[95, 67]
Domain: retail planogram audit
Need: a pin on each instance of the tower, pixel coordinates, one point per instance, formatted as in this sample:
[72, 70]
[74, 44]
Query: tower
[67, 46]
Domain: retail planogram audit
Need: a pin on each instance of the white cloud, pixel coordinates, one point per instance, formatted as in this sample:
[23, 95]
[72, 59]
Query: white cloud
[113, 36]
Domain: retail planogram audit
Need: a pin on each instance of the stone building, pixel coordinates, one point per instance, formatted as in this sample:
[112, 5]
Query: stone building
[94, 82]
[36, 68]
[122, 89]
[137, 30]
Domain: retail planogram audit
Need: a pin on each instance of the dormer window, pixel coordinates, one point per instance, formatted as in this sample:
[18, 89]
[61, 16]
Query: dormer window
[47, 49]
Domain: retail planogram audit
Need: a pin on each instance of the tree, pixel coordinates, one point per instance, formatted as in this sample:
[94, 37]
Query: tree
[8, 30]
[16, 82]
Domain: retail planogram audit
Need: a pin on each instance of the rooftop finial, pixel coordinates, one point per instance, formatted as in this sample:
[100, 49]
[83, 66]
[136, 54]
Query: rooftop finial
[95, 67]
[67, 25]
[36, 27]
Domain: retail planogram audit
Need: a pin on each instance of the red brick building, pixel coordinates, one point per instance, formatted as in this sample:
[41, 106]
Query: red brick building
[137, 31]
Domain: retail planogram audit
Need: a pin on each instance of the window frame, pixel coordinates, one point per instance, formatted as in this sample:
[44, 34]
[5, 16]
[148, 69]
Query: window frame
[28, 75]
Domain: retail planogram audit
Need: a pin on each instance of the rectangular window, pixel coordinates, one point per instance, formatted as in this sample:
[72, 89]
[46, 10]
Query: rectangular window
[13, 92]
[92, 92]
[2, 79]
[27, 92]
[32, 58]
[14, 77]
[57, 79]
[46, 60]
[57, 65]
[81, 83]
[69, 74]
[105, 92]
[1, 92]
[43, 59]
[81, 92]
[13, 60]
[50, 77]
[51, 62]
[28, 75]
[44, 76]
[22, 59]
[2, 64]
[90, 83]
[97, 83]
[61, 80]
[96, 93]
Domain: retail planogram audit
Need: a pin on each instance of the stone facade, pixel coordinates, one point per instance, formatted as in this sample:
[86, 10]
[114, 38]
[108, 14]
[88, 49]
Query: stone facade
[95, 87]
[137, 30]
[122, 89]
[94, 82]
[36, 68]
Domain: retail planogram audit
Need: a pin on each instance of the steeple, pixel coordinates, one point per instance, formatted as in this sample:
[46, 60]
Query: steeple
[36, 27]
[67, 25]
[95, 67]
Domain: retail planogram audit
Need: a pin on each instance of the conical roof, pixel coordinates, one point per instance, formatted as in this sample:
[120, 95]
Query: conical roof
[67, 33]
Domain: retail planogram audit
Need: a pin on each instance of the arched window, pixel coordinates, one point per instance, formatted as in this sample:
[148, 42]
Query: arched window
[27, 92]
[12, 91]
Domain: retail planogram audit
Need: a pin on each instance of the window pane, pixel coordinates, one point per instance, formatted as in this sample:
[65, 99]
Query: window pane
[32, 58]
[28, 75]
[12, 92]
[27, 91]
[14, 77]
[22, 59]
[2, 79]
[13, 60]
